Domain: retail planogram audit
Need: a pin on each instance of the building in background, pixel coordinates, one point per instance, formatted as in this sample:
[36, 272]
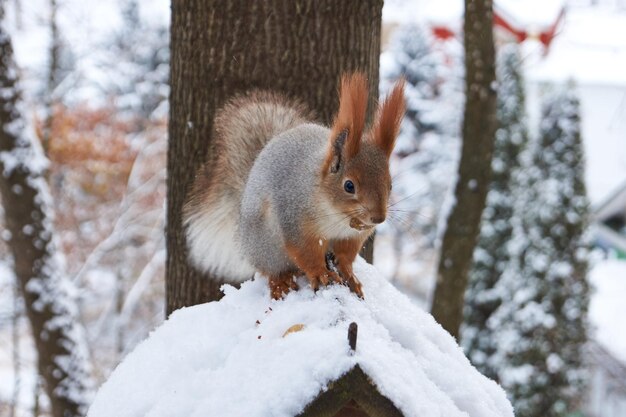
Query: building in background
[609, 223]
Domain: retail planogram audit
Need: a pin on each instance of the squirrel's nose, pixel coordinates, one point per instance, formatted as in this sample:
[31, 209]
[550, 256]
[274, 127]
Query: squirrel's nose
[377, 220]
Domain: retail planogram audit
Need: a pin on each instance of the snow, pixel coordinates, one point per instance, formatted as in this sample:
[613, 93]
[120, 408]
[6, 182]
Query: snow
[86, 29]
[425, 158]
[233, 358]
[607, 308]
[53, 294]
[84, 25]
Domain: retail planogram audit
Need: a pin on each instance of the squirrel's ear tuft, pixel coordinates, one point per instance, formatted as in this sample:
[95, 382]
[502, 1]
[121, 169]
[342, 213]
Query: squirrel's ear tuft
[388, 118]
[349, 122]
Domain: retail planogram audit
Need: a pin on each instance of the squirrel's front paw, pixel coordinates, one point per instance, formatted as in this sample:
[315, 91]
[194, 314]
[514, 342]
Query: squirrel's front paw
[355, 285]
[281, 285]
[324, 279]
[351, 280]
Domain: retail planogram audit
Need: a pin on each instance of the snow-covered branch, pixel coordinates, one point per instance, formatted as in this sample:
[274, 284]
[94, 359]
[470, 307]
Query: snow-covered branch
[39, 268]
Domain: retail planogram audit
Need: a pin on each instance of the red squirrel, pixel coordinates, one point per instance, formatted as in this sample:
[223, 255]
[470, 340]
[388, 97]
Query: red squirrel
[283, 194]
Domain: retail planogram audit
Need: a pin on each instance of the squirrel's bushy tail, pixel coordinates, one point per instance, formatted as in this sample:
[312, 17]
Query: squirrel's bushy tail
[211, 213]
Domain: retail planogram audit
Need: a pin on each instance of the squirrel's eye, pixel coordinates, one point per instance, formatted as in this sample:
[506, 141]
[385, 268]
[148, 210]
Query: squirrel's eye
[348, 186]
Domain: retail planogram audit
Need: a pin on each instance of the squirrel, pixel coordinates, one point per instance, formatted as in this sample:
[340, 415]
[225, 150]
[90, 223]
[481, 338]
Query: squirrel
[283, 195]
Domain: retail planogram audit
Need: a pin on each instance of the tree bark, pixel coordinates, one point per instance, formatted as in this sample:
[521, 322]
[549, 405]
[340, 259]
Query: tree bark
[37, 268]
[53, 74]
[479, 124]
[220, 48]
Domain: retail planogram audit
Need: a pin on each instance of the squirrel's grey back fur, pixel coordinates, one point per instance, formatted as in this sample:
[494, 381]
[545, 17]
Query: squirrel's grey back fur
[278, 195]
[242, 129]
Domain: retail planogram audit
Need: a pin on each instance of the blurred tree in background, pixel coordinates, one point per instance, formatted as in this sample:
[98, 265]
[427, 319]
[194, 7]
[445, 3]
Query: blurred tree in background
[491, 256]
[106, 179]
[141, 84]
[427, 150]
[542, 328]
[479, 125]
[47, 293]
[410, 55]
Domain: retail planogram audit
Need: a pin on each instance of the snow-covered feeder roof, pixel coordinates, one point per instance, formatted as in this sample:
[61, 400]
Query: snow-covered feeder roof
[235, 357]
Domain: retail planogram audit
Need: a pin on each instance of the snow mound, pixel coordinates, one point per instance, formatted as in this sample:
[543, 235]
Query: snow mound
[232, 357]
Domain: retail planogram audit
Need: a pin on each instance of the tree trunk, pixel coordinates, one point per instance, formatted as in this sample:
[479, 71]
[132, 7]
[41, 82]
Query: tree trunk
[37, 268]
[220, 48]
[53, 74]
[479, 124]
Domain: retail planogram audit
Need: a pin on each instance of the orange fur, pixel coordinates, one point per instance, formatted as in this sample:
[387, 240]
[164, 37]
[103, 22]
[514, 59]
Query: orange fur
[387, 124]
[282, 284]
[310, 257]
[346, 251]
[350, 116]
